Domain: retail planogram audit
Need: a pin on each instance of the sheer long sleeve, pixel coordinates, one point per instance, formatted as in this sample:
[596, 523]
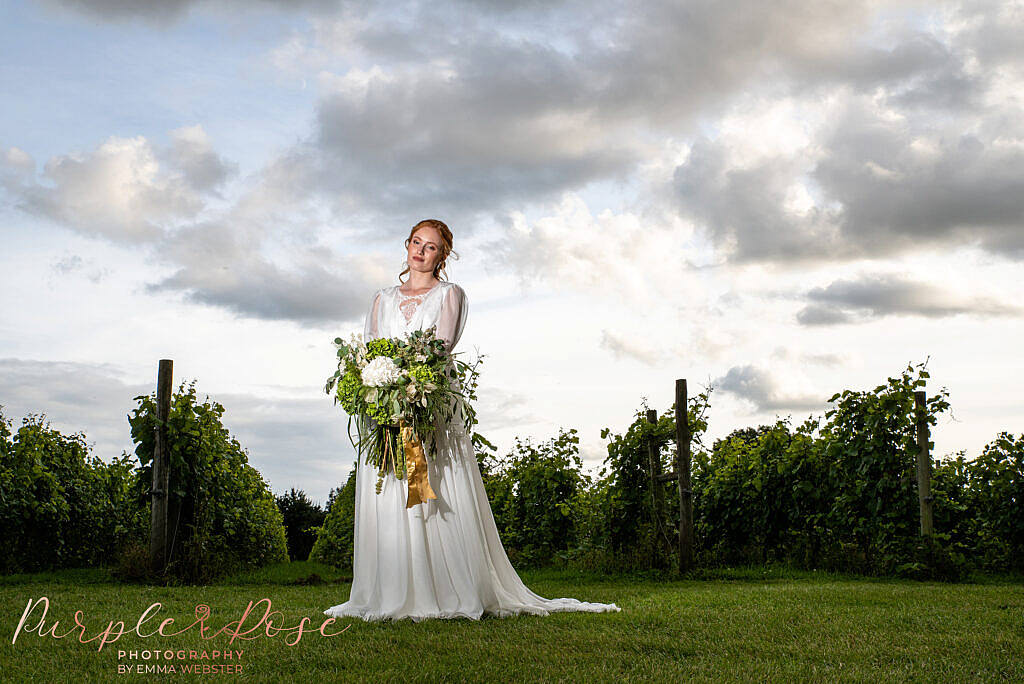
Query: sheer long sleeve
[371, 329]
[452, 321]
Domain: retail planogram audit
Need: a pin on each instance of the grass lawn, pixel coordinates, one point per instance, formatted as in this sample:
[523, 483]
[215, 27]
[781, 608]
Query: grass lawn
[742, 624]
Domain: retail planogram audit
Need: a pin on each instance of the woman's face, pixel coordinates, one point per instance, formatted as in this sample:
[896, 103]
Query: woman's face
[424, 249]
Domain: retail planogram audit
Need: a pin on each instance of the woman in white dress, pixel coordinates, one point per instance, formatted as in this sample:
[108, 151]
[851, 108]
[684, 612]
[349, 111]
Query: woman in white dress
[441, 558]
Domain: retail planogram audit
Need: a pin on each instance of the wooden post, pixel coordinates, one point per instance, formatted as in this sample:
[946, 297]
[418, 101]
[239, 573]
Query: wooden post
[683, 470]
[924, 464]
[161, 472]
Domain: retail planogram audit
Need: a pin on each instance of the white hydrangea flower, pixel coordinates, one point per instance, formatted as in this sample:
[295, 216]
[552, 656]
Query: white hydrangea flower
[381, 372]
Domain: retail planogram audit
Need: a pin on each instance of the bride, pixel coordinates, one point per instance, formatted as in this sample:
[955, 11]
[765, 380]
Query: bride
[441, 558]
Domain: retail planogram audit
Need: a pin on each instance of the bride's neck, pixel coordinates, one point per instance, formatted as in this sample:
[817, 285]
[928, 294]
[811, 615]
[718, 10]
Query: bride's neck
[418, 280]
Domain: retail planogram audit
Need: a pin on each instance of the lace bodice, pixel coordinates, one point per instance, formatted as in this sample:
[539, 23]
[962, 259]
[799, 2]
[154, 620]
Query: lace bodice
[409, 303]
[393, 314]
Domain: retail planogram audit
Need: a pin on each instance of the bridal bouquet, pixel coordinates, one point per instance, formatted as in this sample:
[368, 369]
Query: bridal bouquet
[398, 389]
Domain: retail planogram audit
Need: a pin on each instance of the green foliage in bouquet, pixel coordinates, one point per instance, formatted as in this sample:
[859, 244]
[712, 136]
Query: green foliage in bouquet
[412, 380]
[381, 347]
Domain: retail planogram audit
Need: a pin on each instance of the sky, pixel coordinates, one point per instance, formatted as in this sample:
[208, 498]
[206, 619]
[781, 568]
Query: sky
[773, 200]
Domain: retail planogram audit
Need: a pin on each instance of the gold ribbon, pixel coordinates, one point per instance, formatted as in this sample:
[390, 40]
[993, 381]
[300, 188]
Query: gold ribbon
[416, 467]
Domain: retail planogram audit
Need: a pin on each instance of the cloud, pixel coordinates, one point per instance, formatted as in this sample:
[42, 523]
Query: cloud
[130, 191]
[166, 12]
[913, 146]
[911, 184]
[16, 162]
[218, 265]
[622, 347]
[891, 140]
[874, 182]
[200, 166]
[572, 245]
[873, 296]
[483, 131]
[744, 209]
[499, 409]
[908, 147]
[512, 110]
[759, 388]
[73, 263]
[68, 264]
[991, 30]
[621, 257]
[816, 314]
[126, 190]
[787, 354]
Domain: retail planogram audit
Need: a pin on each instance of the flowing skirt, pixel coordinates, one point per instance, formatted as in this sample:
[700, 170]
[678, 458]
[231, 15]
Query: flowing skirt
[438, 559]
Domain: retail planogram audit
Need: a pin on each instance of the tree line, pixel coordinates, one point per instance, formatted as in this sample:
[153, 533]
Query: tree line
[837, 492]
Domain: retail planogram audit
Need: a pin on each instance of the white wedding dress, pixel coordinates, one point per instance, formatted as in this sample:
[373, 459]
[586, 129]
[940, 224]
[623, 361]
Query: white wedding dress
[441, 558]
